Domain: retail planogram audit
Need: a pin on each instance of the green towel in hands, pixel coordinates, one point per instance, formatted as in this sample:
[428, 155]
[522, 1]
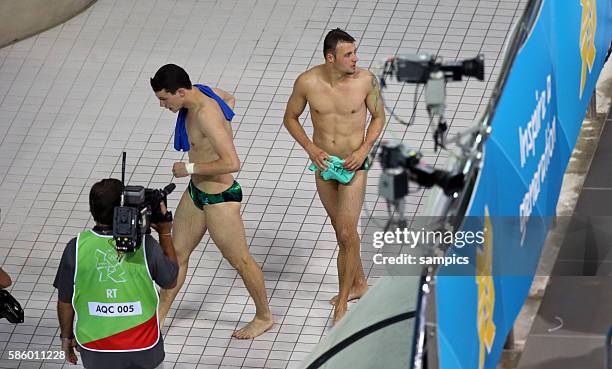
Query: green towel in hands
[336, 171]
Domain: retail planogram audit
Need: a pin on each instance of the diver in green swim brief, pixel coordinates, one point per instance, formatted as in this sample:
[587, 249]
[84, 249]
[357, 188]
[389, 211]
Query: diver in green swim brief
[212, 199]
[201, 198]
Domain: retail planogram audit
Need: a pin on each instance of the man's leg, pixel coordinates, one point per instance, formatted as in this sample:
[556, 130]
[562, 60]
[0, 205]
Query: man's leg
[187, 231]
[329, 195]
[227, 231]
[348, 207]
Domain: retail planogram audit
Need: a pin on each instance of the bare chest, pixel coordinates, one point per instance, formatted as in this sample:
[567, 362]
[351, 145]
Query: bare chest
[343, 101]
[198, 141]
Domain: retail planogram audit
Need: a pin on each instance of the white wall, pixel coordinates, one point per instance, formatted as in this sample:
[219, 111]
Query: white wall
[20, 19]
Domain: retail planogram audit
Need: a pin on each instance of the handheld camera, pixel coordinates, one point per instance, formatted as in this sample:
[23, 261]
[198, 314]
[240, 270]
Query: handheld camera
[139, 208]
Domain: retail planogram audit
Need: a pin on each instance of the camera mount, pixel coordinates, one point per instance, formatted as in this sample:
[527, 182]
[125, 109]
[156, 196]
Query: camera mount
[401, 164]
[433, 73]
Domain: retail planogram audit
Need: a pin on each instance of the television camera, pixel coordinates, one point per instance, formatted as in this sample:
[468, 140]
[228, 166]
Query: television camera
[140, 207]
[400, 164]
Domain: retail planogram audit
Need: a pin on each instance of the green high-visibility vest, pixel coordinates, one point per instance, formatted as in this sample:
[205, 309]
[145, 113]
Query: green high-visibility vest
[115, 299]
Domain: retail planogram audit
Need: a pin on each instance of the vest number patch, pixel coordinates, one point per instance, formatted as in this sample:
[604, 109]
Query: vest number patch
[115, 309]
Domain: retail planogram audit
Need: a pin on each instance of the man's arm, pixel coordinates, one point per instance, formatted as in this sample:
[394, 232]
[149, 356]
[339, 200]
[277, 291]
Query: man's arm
[5, 279]
[164, 229]
[226, 96]
[65, 314]
[376, 108]
[64, 280]
[163, 269]
[295, 108]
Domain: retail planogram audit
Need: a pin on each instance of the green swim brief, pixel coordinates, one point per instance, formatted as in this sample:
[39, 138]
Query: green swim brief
[201, 198]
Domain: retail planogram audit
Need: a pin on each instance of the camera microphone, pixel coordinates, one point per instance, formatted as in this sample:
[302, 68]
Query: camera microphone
[168, 189]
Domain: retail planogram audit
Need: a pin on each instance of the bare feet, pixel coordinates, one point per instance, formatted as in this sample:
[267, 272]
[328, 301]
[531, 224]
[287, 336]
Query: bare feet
[339, 313]
[354, 294]
[255, 328]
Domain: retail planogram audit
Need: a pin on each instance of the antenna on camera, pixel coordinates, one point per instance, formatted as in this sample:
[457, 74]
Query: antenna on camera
[123, 179]
[123, 168]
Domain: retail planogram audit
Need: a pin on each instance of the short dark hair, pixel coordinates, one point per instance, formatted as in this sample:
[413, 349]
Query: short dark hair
[332, 38]
[103, 197]
[170, 77]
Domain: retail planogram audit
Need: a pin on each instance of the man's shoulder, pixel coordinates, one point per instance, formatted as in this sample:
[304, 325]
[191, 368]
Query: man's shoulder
[309, 76]
[72, 243]
[364, 75]
[69, 254]
[208, 108]
[209, 113]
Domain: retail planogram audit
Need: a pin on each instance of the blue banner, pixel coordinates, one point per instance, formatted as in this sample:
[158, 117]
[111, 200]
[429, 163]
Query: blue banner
[534, 128]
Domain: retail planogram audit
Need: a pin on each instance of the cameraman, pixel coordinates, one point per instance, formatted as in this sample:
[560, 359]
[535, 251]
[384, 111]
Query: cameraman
[114, 298]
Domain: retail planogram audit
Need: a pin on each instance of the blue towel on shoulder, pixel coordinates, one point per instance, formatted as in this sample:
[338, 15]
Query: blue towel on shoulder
[181, 142]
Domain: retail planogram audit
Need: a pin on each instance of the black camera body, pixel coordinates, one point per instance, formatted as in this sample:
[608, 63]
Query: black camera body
[401, 164]
[140, 207]
[419, 68]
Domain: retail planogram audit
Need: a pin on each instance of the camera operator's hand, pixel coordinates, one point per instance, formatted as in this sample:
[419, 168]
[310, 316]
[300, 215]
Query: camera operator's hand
[165, 236]
[318, 157]
[68, 345]
[162, 227]
[179, 169]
